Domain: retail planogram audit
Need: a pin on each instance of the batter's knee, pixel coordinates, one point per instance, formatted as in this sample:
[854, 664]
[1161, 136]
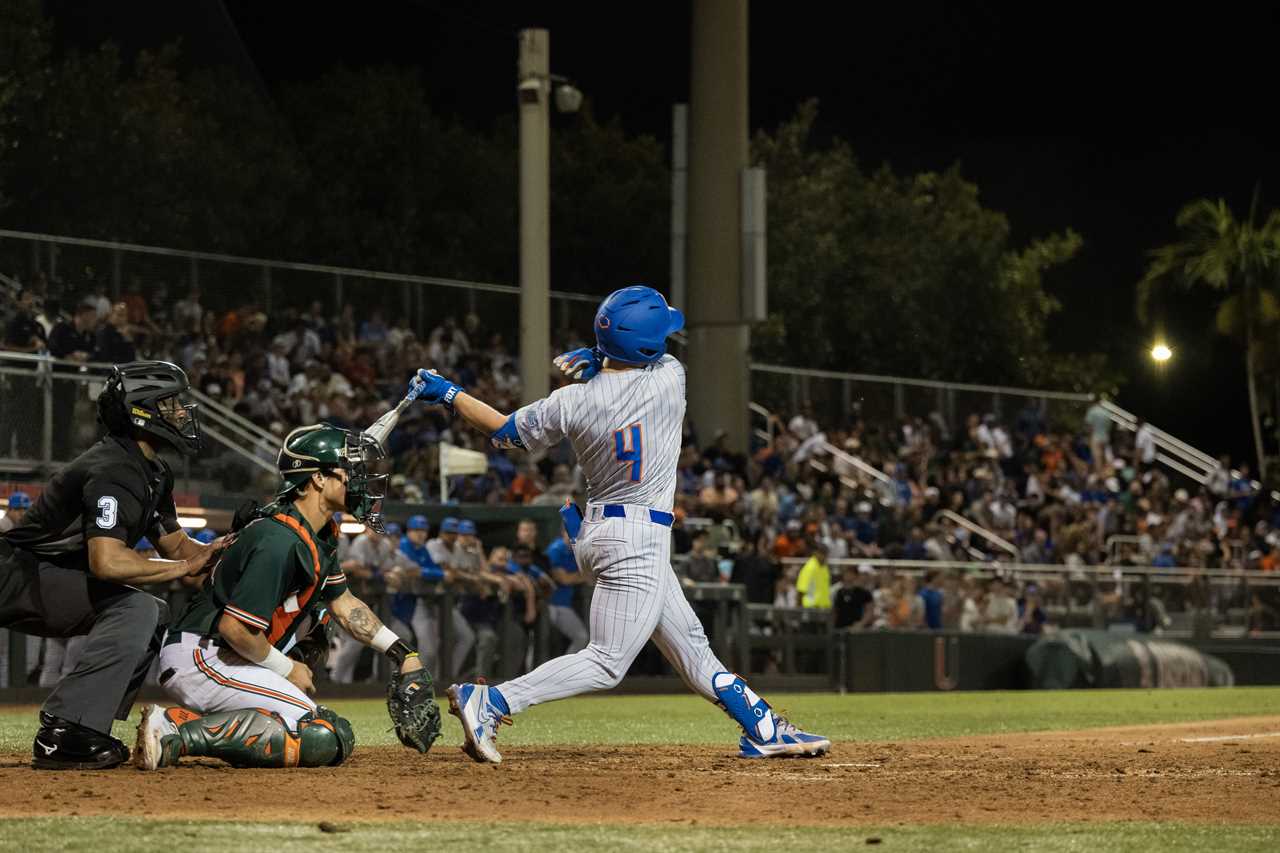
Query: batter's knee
[610, 669]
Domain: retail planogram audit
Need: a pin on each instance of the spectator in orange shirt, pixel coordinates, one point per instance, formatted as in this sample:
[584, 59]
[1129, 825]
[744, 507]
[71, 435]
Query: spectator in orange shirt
[1271, 561]
[791, 542]
[721, 495]
[526, 486]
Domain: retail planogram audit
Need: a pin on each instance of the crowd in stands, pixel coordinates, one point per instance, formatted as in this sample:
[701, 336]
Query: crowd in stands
[1076, 492]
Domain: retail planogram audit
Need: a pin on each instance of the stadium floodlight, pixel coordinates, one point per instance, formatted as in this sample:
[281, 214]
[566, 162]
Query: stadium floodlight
[568, 96]
[1161, 353]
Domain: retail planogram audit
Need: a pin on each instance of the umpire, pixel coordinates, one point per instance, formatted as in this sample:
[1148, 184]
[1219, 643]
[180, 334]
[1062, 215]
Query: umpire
[65, 570]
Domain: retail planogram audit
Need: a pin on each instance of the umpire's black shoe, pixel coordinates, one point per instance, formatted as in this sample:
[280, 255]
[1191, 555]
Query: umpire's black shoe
[63, 745]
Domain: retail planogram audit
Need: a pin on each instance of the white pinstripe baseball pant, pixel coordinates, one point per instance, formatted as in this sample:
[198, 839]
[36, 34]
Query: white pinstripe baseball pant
[637, 597]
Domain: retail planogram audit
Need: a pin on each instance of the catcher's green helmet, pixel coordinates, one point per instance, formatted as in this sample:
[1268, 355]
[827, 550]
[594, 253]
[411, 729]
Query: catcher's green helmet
[324, 447]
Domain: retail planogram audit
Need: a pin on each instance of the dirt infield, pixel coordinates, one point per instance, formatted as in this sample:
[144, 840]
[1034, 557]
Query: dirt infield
[1227, 771]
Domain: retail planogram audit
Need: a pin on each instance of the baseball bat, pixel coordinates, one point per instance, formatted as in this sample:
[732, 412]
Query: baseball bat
[383, 426]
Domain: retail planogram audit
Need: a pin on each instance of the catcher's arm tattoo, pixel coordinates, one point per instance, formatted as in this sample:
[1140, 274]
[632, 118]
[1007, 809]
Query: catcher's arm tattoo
[360, 622]
[355, 617]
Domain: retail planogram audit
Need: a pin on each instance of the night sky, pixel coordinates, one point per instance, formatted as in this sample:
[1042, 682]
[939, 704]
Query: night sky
[1098, 119]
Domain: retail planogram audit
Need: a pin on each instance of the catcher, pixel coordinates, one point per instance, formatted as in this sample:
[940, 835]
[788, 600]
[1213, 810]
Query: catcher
[235, 660]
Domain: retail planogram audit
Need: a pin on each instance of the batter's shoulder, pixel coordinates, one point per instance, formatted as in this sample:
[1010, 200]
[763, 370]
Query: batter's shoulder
[670, 362]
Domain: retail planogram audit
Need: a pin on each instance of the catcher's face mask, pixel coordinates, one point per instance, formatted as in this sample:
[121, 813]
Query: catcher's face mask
[365, 489]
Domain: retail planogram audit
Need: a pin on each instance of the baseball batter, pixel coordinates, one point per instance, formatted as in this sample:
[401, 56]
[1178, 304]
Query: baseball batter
[624, 422]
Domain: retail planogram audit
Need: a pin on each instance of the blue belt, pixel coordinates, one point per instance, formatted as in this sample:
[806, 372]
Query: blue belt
[657, 516]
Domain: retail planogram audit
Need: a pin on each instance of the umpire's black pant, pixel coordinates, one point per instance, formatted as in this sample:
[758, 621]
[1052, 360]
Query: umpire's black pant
[123, 626]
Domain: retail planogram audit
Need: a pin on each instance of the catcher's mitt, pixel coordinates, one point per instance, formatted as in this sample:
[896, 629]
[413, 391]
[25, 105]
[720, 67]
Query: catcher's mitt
[412, 705]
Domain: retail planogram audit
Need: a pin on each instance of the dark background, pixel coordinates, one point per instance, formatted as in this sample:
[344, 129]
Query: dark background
[1101, 119]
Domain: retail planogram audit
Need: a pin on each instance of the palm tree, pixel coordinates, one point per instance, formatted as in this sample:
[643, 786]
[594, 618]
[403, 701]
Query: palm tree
[1239, 258]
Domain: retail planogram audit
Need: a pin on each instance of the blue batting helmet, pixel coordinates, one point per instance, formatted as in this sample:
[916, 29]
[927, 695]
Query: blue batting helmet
[19, 500]
[632, 325]
[449, 525]
[467, 527]
[417, 522]
[204, 537]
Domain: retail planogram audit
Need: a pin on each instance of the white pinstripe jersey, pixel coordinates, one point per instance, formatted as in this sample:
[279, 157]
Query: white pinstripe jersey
[625, 428]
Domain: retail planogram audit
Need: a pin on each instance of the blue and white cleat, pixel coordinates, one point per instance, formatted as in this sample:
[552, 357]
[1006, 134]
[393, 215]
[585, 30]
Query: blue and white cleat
[480, 716]
[765, 734]
[788, 742]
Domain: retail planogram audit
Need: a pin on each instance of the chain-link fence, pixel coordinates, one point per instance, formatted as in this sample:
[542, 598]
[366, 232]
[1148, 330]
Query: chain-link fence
[170, 293]
[48, 416]
[839, 399]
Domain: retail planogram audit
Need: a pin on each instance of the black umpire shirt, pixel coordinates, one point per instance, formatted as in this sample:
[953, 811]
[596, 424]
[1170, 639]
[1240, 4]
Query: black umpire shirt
[109, 490]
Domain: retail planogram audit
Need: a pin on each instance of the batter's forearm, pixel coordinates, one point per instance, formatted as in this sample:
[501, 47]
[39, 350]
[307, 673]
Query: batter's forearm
[478, 413]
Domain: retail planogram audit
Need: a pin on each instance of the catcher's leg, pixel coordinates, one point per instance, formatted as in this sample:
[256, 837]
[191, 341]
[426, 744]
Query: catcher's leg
[208, 679]
[252, 737]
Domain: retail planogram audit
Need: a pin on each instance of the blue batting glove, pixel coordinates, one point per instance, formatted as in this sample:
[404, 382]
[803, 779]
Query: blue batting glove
[416, 386]
[434, 388]
[581, 363]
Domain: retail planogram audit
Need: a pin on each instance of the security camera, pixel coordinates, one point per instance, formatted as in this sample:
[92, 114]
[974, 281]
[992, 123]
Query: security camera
[568, 98]
[530, 91]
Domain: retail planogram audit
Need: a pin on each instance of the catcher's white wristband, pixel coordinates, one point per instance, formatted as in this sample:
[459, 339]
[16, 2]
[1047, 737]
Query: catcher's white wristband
[384, 639]
[277, 662]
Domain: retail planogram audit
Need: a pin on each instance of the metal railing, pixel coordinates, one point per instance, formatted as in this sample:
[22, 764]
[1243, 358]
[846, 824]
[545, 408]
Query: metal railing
[880, 483]
[980, 531]
[229, 281]
[48, 417]
[946, 397]
[1196, 602]
[722, 606]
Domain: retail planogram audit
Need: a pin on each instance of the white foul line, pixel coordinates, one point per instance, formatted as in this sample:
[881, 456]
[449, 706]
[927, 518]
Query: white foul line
[852, 765]
[1216, 738]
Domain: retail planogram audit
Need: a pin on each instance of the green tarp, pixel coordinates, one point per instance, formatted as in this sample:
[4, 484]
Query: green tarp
[1080, 658]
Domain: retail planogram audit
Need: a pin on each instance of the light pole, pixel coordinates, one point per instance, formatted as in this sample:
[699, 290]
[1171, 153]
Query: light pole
[535, 213]
[534, 85]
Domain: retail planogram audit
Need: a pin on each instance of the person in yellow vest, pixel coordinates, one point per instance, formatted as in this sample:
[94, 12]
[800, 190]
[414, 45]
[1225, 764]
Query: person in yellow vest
[813, 586]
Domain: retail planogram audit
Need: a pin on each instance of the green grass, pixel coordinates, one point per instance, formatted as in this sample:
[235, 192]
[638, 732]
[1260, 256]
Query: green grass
[854, 717]
[104, 835]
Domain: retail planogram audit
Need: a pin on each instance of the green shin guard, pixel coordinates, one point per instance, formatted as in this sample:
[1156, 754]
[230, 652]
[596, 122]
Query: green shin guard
[252, 737]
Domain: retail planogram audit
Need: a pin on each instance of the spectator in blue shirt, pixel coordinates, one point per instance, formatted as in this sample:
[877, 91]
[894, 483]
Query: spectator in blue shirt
[865, 527]
[422, 619]
[932, 598]
[560, 610]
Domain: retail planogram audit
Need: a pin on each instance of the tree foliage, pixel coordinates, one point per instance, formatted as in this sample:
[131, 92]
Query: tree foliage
[868, 270]
[1239, 259]
[911, 275]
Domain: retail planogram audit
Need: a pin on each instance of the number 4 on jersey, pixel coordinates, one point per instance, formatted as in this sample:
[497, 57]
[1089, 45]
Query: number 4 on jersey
[629, 443]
